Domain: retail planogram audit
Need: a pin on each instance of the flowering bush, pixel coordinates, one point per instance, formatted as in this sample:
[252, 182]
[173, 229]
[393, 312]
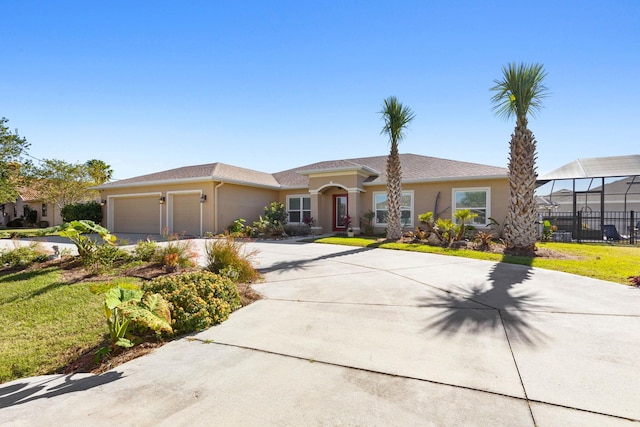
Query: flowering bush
[196, 300]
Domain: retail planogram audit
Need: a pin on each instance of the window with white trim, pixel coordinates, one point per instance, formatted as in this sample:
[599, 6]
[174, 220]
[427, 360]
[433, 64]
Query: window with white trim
[381, 208]
[477, 200]
[298, 209]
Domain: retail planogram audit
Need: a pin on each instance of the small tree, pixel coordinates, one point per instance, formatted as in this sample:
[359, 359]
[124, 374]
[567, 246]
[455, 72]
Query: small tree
[61, 183]
[12, 146]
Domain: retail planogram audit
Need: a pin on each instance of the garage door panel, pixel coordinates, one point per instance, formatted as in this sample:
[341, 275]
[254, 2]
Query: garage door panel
[186, 214]
[136, 215]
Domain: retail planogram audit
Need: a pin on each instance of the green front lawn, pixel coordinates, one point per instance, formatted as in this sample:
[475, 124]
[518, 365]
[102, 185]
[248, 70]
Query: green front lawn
[45, 323]
[614, 263]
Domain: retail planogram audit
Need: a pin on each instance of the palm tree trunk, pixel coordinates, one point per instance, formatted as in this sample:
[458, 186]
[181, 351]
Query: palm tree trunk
[394, 192]
[520, 228]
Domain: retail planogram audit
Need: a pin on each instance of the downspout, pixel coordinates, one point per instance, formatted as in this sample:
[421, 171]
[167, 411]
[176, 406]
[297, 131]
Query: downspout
[215, 206]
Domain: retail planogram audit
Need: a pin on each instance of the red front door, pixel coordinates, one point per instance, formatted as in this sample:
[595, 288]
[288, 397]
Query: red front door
[340, 210]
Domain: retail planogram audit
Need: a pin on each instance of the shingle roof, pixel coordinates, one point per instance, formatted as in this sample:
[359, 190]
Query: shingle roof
[210, 171]
[415, 168]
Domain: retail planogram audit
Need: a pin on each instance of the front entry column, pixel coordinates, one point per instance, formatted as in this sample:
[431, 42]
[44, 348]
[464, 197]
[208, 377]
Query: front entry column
[354, 210]
[315, 211]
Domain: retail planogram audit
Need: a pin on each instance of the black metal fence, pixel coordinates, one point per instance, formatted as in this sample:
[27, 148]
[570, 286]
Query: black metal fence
[594, 226]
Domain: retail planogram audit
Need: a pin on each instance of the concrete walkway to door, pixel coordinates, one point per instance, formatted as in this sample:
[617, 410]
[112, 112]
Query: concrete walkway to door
[353, 336]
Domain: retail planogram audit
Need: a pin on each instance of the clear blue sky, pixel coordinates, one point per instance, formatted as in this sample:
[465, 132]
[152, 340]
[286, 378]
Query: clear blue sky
[271, 85]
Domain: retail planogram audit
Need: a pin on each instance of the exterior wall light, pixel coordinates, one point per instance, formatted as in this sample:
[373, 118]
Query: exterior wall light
[203, 198]
[103, 202]
[162, 200]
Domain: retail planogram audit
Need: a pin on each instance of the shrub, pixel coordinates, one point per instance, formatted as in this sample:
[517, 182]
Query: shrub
[104, 256]
[16, 223]
[91, 211]
[145, 250]
[272, 221]
[229, 257]
[22, 256]
[196, 300]
[179, 252]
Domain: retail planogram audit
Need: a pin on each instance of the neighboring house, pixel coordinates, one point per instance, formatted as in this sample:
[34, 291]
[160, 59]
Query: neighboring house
[46, 212]
[193, 200]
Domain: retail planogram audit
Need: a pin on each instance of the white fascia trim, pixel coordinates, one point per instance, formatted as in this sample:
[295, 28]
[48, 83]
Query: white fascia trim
[448, 179]
[186, 181]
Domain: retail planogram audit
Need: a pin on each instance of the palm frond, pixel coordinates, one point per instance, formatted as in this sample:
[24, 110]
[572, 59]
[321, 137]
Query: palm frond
[396, 118]
[520, 91]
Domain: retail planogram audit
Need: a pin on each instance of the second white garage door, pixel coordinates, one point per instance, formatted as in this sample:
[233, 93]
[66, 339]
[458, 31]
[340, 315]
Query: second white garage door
[186, 214]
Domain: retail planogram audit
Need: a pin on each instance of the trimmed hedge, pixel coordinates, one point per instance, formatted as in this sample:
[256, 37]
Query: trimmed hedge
[91, 211]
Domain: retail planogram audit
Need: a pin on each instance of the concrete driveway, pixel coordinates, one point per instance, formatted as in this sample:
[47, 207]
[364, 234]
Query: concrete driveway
[350, 336]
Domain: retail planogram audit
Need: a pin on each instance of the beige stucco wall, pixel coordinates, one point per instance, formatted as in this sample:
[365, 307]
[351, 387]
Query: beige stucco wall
[235, 201]
[238, 201]
[425, 197]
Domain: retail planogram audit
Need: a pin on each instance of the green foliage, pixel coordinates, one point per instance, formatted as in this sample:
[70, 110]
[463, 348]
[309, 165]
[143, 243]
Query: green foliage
[484, 240]
[91, 211]
[60, 183]
[145, 250]
[93, 256]
[367, 223]
[229, 257]
[496, 228]
[99, 171]
[272, 221]
[22, 256]
[196, 300]
[30, 216]
[12, 146]
[546, 230]
[175, 252]
[127, 305]
[520, 91]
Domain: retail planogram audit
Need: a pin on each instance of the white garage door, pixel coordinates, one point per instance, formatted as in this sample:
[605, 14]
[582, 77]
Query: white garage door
[136, 215]
[186, 214]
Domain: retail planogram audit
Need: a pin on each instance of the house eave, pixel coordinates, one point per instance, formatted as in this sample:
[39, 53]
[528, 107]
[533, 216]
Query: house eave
[111, 186]
[442, 179]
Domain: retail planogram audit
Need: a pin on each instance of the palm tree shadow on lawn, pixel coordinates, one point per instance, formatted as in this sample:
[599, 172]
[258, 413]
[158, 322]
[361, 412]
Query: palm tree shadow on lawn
[502, 306]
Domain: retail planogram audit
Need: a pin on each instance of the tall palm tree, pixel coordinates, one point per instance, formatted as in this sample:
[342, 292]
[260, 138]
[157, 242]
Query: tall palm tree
[519, 93]
[99, 171]
[396, 118]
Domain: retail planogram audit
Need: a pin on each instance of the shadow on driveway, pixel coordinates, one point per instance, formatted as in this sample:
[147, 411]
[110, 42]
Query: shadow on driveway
[510, 309]
[22, 392]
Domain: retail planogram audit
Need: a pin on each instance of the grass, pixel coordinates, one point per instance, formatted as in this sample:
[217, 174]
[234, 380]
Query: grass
[23, 232]
[45, 322]
[614, 263]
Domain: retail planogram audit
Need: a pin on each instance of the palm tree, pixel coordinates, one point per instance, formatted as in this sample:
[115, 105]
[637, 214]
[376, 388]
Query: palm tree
[396, 118]
[519, 93]
[99, 171]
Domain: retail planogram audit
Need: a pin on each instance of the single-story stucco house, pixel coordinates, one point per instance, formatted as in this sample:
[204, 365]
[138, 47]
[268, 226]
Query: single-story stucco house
[48, 214]
[194, 200]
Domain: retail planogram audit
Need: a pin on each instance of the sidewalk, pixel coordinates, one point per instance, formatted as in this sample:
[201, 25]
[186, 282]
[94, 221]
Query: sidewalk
[356, 336]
